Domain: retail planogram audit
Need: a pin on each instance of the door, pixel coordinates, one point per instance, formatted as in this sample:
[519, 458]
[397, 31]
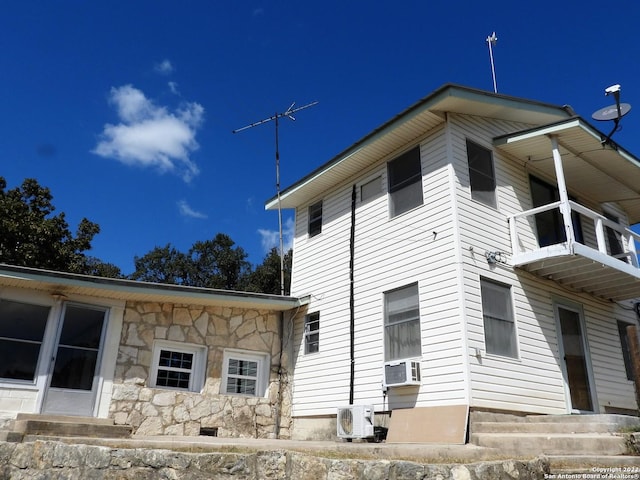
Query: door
[574, 353]
[73, 379]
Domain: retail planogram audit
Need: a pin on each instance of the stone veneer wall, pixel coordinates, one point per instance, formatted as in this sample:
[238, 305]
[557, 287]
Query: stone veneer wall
[157, 411]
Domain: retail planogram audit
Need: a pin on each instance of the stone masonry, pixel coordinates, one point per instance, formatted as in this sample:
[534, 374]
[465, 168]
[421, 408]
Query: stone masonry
[158, 411]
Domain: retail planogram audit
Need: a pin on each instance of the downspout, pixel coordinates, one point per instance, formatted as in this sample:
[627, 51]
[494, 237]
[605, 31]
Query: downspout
[278, 405]
[352, 309]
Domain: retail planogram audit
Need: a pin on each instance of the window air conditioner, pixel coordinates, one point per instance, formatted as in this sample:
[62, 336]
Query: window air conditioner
[401, 373]
[355, 421]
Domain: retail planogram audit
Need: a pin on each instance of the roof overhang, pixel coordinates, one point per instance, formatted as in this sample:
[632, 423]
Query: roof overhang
[600, 172]
[127, 290]
[406, 127]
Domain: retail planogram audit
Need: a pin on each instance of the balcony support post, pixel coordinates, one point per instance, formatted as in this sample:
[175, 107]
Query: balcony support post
[565, 208]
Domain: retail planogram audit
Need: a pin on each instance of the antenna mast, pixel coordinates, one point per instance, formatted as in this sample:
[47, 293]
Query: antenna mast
[289, 114]
[491, 41]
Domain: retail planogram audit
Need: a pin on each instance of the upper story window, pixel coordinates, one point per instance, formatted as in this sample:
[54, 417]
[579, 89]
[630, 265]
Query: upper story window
[405, 182]
[481, 174]
[245, 373]
[371, 189]
[499, 322]
[178, 365]
[315, 219]
[312, 333]
[22, 329]
[402, 337]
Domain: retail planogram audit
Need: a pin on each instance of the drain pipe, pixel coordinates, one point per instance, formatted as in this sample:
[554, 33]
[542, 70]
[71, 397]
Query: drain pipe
[278, 405]
[352, 310]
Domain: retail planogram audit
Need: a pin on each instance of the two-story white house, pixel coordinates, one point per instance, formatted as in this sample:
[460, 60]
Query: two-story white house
[472, 251]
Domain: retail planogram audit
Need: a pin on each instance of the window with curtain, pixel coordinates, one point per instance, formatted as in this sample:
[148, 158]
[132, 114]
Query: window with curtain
[405, 182]
[499, 322]
[402, 337]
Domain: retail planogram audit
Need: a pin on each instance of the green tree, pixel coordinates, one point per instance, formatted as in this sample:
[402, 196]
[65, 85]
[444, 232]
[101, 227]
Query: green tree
[162, 265]
[266, 276]
[218, 263]
[31, 236]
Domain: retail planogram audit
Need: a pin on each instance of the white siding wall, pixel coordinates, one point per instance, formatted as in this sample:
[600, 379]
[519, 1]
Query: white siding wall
[534, 381]
[389, 253]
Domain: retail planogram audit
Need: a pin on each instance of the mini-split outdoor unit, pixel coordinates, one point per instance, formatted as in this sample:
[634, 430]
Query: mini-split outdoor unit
[401, 373]
[355, 421]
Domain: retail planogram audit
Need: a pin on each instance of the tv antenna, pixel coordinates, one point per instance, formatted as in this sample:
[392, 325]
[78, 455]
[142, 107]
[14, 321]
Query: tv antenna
[491, 41]
[612, 112]
[288, 113]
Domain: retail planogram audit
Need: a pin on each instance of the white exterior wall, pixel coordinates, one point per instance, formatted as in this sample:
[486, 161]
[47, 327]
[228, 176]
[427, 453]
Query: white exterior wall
[389, 253]
[534, 381]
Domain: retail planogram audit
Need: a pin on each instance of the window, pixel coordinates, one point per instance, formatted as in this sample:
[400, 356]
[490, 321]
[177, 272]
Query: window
[177, 365]
[549, 224]
[499, 324]
[22, 329]
[315, 219]
[402, 324]
[371, 189]
[614, 238]
[626, 352]
[312, 333]
[481, 174]
[405, 182]
[245, 373]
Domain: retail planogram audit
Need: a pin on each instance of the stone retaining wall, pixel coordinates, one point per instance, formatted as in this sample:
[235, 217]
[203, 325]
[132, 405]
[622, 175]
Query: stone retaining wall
[157, 411]
[53, 460]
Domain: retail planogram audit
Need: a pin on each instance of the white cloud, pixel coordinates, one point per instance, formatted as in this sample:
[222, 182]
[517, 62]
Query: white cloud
[173, 86]
[150, 135]
[164, 67]
[187, 211]
[271, 238]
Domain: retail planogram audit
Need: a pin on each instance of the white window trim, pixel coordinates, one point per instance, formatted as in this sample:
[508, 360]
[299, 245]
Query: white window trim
[196, 379]
[262, 380]
[308, 333]
[516, 337]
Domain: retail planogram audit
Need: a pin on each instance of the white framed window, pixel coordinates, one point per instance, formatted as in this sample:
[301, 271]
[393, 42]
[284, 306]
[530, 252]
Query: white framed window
[499, 322]
[22, 329]
[315, 219]
[402, 338]
[312, 333]
[244, 373]
[178, 366]
[405, 182]
[482, 176]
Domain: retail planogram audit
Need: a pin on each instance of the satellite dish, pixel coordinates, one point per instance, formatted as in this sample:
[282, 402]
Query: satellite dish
[613, 112]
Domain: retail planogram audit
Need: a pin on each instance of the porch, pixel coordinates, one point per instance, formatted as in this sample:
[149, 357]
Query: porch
[563, 240]
[604, 263]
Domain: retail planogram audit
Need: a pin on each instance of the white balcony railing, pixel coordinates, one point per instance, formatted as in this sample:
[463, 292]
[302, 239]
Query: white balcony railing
[598, 236]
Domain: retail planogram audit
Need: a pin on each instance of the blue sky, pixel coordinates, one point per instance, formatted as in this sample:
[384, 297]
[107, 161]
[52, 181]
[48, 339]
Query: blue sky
[125, 109]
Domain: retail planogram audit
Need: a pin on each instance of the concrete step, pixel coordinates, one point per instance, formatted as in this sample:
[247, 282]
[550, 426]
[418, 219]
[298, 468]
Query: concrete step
[595, 466]
[552, 443]
[65, 419]
[622, 420]
[545, 427]
[65, 426]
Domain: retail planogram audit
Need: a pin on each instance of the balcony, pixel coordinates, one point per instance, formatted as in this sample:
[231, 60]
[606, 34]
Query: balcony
[588, 253]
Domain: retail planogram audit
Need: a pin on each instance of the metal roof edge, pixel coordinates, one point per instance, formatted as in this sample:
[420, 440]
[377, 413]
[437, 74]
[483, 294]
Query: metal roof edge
[133, 287]
[446, 90]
